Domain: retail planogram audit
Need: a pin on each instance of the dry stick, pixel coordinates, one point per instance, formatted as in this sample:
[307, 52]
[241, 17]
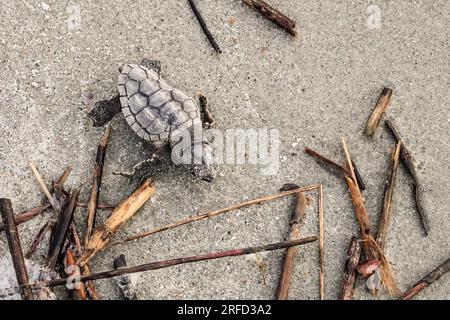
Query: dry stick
[61, 228]
[205, 29]
[95, 191]
[15, 248]
[101, 206]
[385, 216]
[85, 270]
[290, 253]
[119, 216]
[178, 261]
[60, 182]
[43, 187]
[378, 112]
[427, 280]
[273, 15]
[40, 237]
[332, 166]
[349, 277]
[359, 179]
[370, 248]
[407, 161]
[213, 213]
[27, 215]
[321, 247]
[124, 281]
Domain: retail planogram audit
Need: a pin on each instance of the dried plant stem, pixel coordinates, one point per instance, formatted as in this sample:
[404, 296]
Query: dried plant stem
[43, 187]
[379, 110]
[178, 261]
[385, 216]
[427, 280]
[96, 184]
[349, 277]
[213, 213]
[40, 237]
[27, 215]
[332, 166]
[205, 29]
[321, 246]
[273, 15]
[15, 248]
[119, 216]
[291, 252]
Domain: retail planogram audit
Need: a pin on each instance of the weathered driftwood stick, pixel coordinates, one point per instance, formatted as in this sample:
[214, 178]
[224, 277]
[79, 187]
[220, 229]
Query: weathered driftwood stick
[40, 237]
[205, 29]
[97, 181]
[27, 215]
[119, 216]
[289, 256]
[178, 261]
[321, 247]
[213, 213]
[349, 277]
[73, 271]
[273, 15]
[15, 248]
[61, 228]
[370, 247]
[378, 112]
[332, 166]
[389, 187]
[427, 280]
[124, 281]
[359, 179]
[58, 184]
[44, 187]
[408, 163]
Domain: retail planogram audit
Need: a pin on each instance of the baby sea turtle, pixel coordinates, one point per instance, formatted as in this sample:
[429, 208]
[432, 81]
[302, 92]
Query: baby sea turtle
[161, 115]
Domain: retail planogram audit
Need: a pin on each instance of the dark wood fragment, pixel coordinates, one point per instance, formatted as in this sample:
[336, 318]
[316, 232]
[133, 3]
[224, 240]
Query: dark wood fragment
[205, 29]
[349, 277]
[332, 166]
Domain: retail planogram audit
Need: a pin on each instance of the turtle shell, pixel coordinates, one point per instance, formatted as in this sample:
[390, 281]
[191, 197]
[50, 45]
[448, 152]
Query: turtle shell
[153, 109]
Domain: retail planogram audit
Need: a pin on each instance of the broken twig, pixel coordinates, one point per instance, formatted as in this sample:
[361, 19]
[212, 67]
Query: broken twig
[408, 163]
[359, 179]
[378, 112]
[349, 277]
[61, 228]
[273, 15]
[40, 237]
[213, 213]
[119, 216]
[388, 197]
[15, 248]
[27, 215]
[44, 187]
[178, 261]
[427, 280]
[205, 29]
[96, 184]
[291, 252]
[321, 247]
[332, 166]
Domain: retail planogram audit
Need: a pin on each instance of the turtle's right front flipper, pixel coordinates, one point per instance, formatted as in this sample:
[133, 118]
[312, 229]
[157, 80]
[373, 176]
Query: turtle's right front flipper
[104, 111]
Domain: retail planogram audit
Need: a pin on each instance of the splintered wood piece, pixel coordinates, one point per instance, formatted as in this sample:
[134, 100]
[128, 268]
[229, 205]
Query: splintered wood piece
[73, 270]
[349, 277]
[408, 163]
[378, 112]
[119, 216]
[332, 166]
[61, 228]
[15, 248]
[273, 15]
[96, 184]
[291, 252]
[27, 215]
[427, 280]
[213, 213]
[178, 261]
[385, 216]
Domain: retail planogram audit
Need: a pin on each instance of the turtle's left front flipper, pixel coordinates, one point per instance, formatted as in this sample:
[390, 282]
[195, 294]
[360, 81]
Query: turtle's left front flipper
[104, 111]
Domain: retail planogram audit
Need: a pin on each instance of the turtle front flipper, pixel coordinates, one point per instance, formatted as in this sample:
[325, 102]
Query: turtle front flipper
[104, 111]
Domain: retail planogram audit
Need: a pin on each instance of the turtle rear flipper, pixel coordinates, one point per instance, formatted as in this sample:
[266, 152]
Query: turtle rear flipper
[104, 111]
